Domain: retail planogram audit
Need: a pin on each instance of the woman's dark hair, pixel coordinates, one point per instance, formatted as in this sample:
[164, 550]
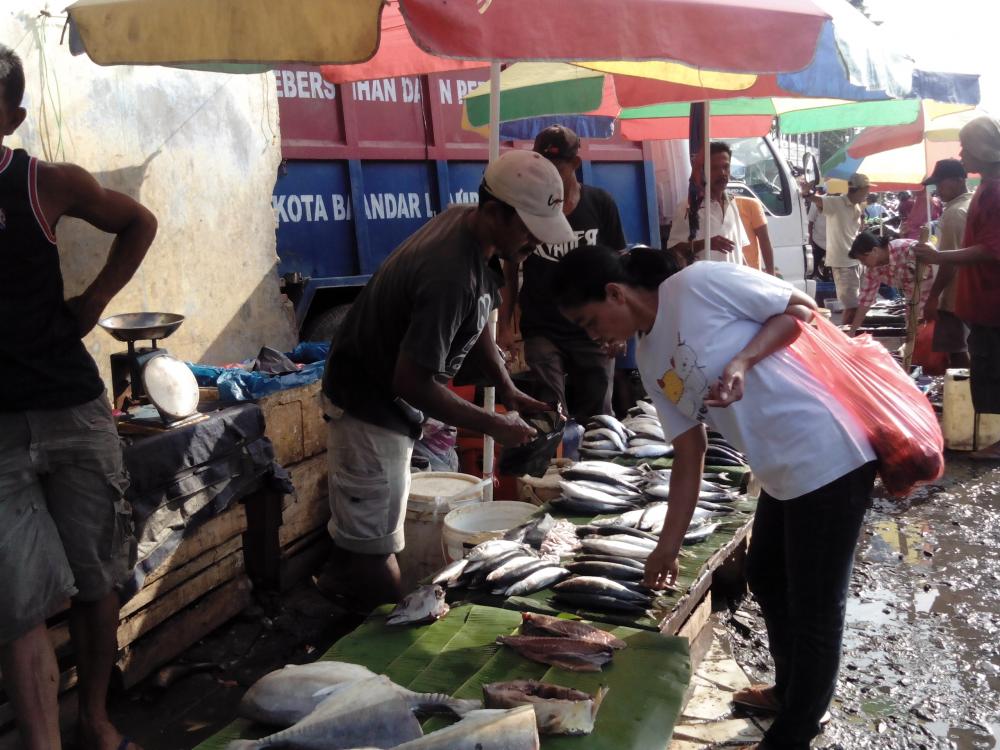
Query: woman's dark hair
[583, 273]
[11, 77]
[865, 242]
[696, 198]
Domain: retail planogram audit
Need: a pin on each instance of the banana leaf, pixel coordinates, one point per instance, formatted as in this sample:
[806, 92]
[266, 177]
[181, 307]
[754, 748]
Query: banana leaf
[458, 653]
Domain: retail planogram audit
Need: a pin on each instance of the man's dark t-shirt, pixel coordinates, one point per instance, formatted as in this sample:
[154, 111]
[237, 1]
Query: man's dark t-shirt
[430, 299]
[596, 222]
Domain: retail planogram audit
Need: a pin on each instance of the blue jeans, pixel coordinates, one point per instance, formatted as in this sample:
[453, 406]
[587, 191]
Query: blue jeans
[799, 567]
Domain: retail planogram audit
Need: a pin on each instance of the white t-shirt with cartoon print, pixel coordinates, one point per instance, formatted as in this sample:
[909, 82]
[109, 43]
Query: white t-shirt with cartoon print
[794, 441]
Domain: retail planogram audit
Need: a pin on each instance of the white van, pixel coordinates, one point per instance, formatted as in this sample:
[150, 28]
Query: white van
[758, 170]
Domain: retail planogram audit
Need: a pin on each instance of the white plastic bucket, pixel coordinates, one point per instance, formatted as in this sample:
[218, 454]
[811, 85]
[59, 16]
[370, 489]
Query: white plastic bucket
[958, 421]
[432, 495]
[474, 524]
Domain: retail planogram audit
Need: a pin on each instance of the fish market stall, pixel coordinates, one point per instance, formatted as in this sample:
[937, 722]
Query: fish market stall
[631, 701]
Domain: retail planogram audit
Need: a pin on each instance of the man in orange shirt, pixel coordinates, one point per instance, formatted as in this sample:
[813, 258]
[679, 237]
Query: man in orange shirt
[758, 253]
[977, 264]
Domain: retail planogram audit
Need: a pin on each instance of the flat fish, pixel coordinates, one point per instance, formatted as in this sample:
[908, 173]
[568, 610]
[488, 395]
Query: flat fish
[366, 712]
[569, 653]
[486, 729]
[423, 604]
[539, 624]
[284, 696]
[558, 709]
[537, 581]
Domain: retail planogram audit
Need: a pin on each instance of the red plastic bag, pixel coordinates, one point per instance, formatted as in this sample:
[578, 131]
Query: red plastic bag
[934, 363]
[865, 379]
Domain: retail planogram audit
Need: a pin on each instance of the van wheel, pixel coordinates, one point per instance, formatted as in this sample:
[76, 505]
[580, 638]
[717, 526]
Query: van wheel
[325, 326]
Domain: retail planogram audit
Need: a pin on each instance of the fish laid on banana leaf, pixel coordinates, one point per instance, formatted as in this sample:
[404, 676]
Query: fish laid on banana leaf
[573, 654]
[356, 714]
[603, 587]
[486, 729]
[539, 624]
[424, 604]
[287, 695]
[558, 709]
[597, 602]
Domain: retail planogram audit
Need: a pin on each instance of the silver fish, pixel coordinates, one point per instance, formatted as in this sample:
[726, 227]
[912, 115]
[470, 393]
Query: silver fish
[700, 534]
[601, 587]
[639, 441]
[629, 518]
[587, 507]
[611, 423]
[584, 492]
[491, 548]
[514, 565]
[423, 604]
[625, 539]
[558, 710]
[606, 434]
[366, 712]
[284, 696]
[650, 451]
[643, 407]
[604, 546]
[538, 580]
[451, 572]
[604, 446]
[486, 729]
[599, 453]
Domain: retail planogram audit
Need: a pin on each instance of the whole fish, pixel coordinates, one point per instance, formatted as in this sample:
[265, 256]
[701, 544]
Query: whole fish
[366, 712]
[512, 565]
[501, 584]
[598, 602]
[643, 407]
[647, 428]
[568, 653]
[591, 445]
[600, 587]
[639, 441]
[650, 451]
[636, 541]
[700, 534]
[284, 696]
[599, 453]
[533, 532]
[539, 624]
[580, 492]
[538, 580]
[574, 505]
[627, 561]
[593, 530]
[605, 546]
[614, 571]
[424, 604]
[486, 729]
[714, 507]
[451, 572]
[653, 518]
[558, 710]
[611, 423]
[484, 566]
[618, 490]
[618, 439]
[492, 548]
[628, 518]
[601, 471]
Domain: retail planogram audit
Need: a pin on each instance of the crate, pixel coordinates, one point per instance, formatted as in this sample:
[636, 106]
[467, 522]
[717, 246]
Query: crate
[293, 420]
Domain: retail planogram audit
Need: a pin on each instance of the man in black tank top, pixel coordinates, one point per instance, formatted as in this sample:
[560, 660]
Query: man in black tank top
[65, 527]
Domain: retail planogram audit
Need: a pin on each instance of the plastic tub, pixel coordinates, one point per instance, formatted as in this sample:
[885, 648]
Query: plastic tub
[474, 524]
[432, 495]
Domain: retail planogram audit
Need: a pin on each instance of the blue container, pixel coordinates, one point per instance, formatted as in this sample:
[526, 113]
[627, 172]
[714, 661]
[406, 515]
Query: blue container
[825, 290]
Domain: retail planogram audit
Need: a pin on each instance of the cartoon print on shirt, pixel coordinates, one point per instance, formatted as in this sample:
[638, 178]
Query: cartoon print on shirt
[684, 384]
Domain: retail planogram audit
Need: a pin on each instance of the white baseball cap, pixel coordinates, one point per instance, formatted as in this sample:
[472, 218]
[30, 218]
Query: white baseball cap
[531, 184]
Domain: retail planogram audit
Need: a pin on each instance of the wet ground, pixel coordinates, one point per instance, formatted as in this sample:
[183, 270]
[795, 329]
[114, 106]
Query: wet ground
[921, 665]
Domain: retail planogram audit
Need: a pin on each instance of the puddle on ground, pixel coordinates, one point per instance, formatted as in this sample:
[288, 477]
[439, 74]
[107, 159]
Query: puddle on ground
[921, 663]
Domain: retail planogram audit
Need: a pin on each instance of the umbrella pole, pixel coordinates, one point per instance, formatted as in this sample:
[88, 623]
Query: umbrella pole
[707, 201]
[913, 307]
[489, 394]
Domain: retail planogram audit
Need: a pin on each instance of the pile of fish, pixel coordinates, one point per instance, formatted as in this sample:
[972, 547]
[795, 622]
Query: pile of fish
[638, 436]
[504, 567]
[568, 644]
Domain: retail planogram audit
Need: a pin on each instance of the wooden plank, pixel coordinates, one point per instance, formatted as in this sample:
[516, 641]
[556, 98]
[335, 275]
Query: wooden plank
[201, 539]
[308, 558]
[302, 542]
[283, 425]
[166, 606]
[301, 519]
[698, 619]
[183, 630]
[309, 479]
[294, 422]
[179, 575]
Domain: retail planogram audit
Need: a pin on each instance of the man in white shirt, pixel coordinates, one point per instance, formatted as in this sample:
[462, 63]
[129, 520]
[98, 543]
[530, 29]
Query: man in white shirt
[844, 220]
[687, 236]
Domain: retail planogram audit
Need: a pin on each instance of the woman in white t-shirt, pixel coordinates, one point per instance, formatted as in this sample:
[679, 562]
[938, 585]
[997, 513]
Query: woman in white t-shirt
[713, 351]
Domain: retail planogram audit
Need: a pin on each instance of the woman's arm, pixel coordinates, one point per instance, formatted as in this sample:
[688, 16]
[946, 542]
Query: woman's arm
[777, 332]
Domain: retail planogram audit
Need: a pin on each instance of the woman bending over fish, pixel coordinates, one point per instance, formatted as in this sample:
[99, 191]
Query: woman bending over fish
[713, 350]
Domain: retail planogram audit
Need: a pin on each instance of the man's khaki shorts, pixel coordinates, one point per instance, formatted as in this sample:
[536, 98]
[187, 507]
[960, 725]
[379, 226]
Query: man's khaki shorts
[65, 526]
[369, 482]
[848, 283]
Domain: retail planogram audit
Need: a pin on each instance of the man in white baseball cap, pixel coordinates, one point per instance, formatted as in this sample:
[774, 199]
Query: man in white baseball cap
[419, 318]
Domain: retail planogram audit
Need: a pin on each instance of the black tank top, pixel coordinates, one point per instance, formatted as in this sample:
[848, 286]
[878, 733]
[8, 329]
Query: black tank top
[43, 362]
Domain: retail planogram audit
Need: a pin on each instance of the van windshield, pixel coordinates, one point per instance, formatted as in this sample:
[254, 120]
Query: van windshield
[755, 166]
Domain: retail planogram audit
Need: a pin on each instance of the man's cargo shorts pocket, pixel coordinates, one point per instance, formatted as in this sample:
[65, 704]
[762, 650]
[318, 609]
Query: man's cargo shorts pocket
[361, 503]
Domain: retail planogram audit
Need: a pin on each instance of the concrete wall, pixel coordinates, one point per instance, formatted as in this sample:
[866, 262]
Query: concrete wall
[200, 150]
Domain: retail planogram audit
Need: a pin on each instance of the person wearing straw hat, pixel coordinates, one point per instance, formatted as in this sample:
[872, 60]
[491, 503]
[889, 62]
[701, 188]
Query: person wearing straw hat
[418, 319]
[978, 264]
[950, 333]
[844, 219]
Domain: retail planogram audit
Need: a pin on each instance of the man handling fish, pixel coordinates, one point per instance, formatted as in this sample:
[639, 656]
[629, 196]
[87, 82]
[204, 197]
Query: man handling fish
[714, 350]
[418, 319]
